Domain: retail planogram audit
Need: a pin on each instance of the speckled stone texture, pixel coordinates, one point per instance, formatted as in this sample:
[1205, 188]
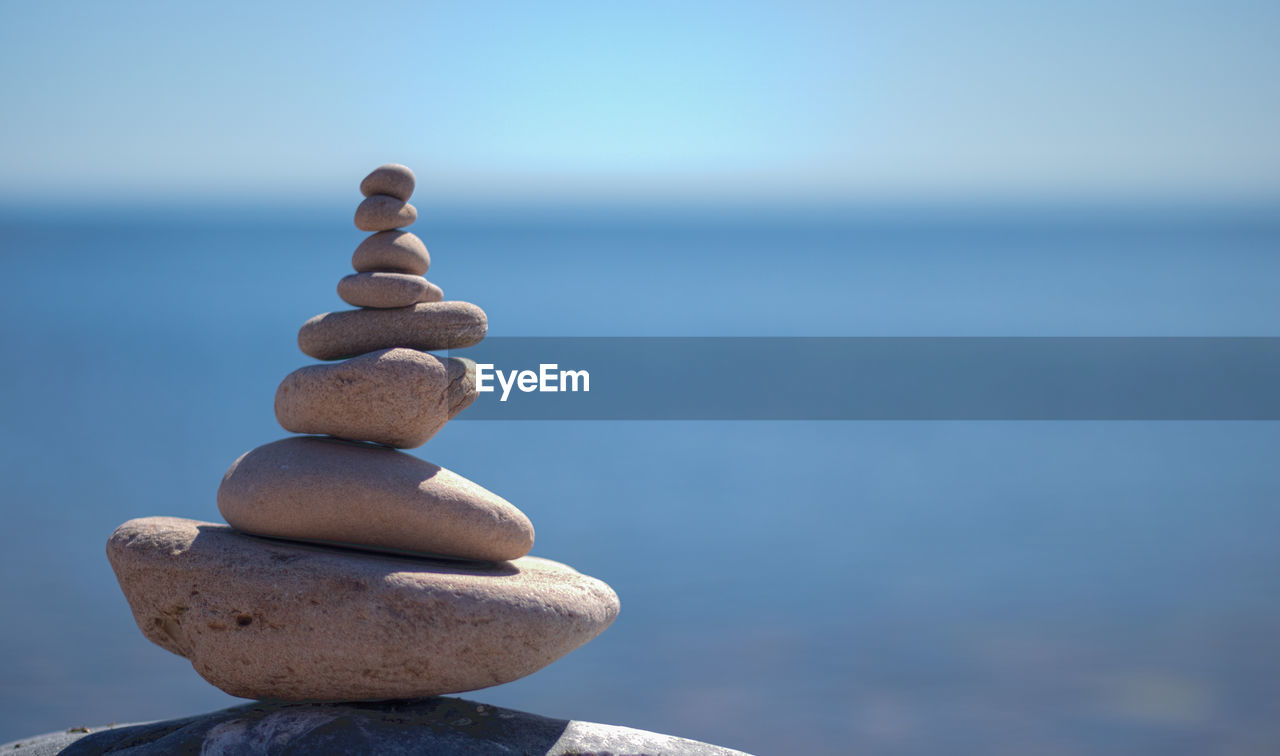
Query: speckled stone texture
[438, 726]
[393, 251]
[323, 489]
[385, 290]
[429, 326]
[397, 397]
[382, 212]
[392, 179]
[261, 618]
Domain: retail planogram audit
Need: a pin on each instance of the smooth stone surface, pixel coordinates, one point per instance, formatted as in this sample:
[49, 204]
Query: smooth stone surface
[382, 212]
[392, 179]
[323, 489]
[262, 618]
[385, 290]
[441, 726]
[397, 397]
[392, 251]
[430, 326]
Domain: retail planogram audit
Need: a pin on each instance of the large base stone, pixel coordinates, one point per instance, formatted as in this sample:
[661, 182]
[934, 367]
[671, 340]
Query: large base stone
[262, 618]
[440, 726]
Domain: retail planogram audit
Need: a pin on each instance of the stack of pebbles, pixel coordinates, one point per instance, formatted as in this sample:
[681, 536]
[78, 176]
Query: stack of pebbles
[351, 570]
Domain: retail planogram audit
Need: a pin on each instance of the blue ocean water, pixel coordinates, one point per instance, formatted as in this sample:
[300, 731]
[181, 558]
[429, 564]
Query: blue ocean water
[787, 587]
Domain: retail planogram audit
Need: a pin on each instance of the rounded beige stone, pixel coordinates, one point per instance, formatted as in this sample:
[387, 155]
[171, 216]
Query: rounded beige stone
[428, 326]
[262, 618]
[386, 290]
[392, 251]
[396, 397]
[393, 179]
[324, 489]
[382, 212]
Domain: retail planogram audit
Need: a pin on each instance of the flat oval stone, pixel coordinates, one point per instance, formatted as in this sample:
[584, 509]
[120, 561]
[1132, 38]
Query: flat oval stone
[385, 290]
[396, 397]
[324, 489]
[428, 326]
[394, 251]
[262, 618]
[392, 179]
[382, 212]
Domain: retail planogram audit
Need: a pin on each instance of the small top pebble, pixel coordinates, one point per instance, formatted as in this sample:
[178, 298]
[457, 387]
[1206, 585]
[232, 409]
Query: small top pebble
[393, 179]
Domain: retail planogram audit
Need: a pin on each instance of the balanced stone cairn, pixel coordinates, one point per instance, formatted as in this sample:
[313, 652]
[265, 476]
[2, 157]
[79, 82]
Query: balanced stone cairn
[351, 570]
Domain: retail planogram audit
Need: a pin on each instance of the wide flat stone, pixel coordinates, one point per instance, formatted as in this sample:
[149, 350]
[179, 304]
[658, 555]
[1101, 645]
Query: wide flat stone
[429, 326]
[443, 726]
[393, 179]
[324, 489]
[397, 397]
[263, 618]
[382, 212]
[394, 251]
[385, 290]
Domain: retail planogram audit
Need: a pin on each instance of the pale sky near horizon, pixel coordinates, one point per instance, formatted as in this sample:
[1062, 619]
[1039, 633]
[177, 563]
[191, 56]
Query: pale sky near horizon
[655, 101]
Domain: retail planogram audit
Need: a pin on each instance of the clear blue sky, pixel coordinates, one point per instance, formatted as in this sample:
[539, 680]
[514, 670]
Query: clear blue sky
[654, 101]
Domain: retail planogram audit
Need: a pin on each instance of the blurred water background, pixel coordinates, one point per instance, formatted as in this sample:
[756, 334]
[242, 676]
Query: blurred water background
[176, 189]
[787, 587]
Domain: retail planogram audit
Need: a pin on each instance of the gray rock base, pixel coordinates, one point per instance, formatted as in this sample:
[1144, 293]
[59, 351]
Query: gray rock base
[445, 726]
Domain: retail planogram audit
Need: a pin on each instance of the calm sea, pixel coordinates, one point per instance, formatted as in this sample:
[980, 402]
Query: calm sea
[787, 587]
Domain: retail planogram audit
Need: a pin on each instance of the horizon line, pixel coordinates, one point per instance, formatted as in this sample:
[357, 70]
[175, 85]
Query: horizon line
[645, 203]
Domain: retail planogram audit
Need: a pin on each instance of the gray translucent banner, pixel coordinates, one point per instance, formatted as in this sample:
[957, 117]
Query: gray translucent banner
[877, 379]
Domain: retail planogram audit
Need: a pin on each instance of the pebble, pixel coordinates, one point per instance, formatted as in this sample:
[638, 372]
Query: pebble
[397, 397]
[392, 179]
[392, 251]
[428, 326]
[386, 290]
[382, 212]
[262, 618]
[324, 489]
